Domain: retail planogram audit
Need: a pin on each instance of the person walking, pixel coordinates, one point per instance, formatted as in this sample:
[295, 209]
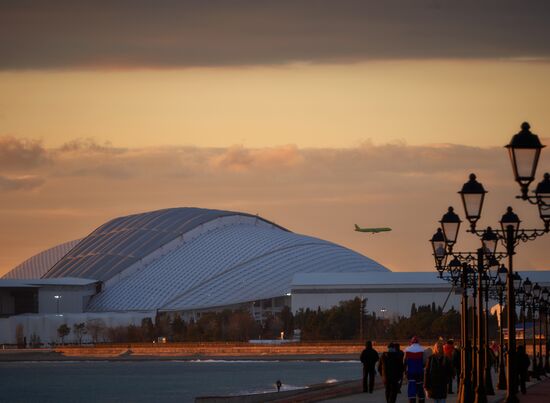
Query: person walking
[523, 363]
[369, 357]
[402, 359]
[414, 368]
[438, 373]
[495, 348]
[390, 368]
[457, 365]
[449, 350]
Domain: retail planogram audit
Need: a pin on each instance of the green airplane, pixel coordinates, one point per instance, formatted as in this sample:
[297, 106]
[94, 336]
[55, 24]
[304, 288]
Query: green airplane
[371, 230]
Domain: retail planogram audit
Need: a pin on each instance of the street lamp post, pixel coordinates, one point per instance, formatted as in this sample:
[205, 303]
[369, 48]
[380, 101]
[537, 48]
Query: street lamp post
[521, 300]
[465, 392]
[362, 310]
[546, 299]
[481, 391]
[527, 302]
[489, 389]
[501, 285]
[475, 339]
[535, 309]
[524, 149]
[57, 299]
[540, 363]
[546, 341]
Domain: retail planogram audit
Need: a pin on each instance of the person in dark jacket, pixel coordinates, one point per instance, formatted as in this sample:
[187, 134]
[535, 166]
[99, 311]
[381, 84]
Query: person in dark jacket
[437, 374]
[449, 349]
[391, 369]
[369, 357]
[401, 354]
[523, 363]
[457, 365]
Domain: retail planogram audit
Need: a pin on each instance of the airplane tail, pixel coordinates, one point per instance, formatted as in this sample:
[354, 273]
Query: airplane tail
[357, 227]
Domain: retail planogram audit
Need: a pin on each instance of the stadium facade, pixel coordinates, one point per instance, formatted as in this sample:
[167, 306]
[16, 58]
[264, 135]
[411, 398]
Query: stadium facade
[192, 260]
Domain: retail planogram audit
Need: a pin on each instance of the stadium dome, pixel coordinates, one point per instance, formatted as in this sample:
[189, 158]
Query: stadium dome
[184, 259]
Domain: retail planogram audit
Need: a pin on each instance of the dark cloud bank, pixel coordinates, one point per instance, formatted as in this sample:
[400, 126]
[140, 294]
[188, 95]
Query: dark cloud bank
[21, 153]
[166, 34]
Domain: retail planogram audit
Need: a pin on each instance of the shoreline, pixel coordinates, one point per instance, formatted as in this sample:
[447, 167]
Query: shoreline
[55, 356]
[308, 351]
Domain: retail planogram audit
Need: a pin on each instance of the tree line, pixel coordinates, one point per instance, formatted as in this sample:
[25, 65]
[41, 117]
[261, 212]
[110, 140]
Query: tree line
[227, 325]
[347, 321]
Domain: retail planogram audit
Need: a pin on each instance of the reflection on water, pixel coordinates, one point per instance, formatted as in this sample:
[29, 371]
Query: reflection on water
[160, 381]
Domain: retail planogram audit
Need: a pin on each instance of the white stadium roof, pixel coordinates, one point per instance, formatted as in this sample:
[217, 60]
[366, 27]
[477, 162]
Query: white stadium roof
[38, 265]
[40, 282]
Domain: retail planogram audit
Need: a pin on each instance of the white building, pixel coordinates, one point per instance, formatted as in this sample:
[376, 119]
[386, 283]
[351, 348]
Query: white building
[388, 294]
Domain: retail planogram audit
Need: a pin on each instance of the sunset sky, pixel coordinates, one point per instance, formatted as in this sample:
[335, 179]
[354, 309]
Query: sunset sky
[314, 114]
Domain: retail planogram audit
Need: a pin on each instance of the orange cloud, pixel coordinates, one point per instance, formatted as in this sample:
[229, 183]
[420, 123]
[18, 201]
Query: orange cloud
[16, 154]
[28, 182]
[239, 159]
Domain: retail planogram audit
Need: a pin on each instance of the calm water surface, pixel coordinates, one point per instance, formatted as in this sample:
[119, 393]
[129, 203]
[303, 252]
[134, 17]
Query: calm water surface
[159, 381]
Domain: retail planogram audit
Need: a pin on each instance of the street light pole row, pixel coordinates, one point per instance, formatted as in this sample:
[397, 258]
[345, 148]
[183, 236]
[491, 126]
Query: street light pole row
[524, 150]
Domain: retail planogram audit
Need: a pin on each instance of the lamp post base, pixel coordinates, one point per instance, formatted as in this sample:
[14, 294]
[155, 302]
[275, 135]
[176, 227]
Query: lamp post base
[501, 377]
[481, 396]
[489, 389]
[465, 393]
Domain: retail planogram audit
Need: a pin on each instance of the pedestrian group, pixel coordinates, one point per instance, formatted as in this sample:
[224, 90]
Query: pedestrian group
[429, 372]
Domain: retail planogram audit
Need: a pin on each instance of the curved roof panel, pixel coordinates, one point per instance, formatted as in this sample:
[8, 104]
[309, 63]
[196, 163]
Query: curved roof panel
[123, 241]
[36, 266]
[231, 264]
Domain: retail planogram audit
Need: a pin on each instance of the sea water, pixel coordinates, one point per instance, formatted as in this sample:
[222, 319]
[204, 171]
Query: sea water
[160, 381]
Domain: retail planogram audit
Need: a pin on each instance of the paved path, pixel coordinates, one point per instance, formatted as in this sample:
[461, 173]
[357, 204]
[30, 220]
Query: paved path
[536, 393]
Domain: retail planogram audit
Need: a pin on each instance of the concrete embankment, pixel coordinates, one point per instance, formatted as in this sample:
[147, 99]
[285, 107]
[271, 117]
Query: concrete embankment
[215, 349]
[303, 351]
[313, 393]
[31, 355]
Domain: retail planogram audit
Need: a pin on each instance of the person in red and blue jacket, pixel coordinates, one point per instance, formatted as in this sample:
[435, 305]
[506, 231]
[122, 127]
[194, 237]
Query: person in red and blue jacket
[414, 368]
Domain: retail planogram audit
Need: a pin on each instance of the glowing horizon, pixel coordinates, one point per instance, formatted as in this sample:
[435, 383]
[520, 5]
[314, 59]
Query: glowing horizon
[318, 106]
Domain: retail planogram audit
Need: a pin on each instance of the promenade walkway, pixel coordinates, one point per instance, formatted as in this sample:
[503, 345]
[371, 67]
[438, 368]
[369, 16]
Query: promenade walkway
[536, 393]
